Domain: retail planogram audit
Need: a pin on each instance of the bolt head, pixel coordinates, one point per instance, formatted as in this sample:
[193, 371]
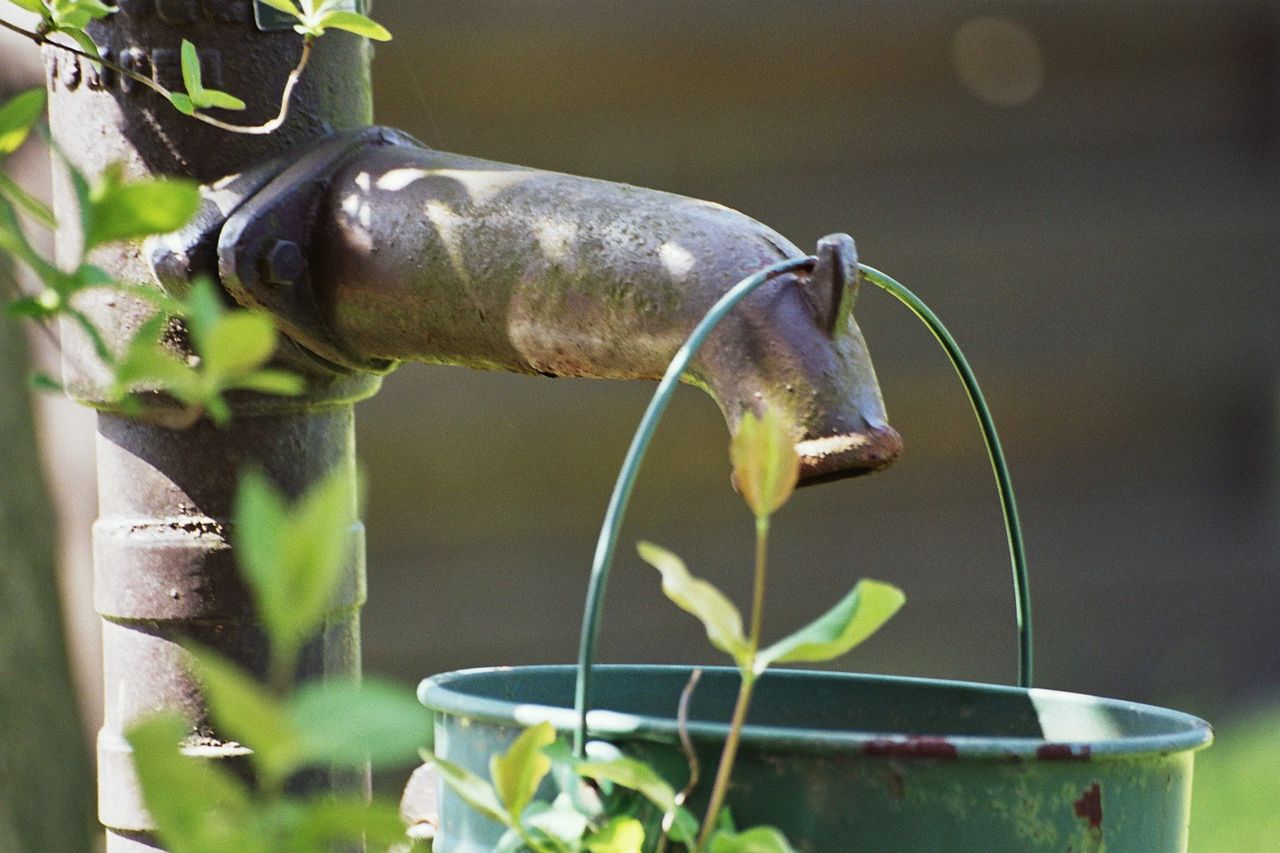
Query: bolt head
[283, 263]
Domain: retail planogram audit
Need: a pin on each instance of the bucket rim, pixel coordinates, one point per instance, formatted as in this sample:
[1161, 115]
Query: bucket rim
[445, 693]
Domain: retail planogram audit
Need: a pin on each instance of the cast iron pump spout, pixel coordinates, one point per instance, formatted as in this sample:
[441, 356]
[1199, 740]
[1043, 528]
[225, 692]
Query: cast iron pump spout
[372, 250]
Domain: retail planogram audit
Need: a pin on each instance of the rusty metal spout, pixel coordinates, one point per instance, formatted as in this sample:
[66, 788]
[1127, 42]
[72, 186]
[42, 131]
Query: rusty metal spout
[418, 255]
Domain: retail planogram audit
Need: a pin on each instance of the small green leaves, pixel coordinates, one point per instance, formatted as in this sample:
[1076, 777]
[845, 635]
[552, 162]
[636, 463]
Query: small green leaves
[244, 710]
[620, 835]
[18, 115]
[13, 240]
[759, 839]
[182, 103]
[765, 463]
[632, 774]
[337, 723]
[349, 723]
[286, 6]
[37, 209]
[119, 210]
[314, 18]
[197, 96]
[233, 347]
[858, 615]
[517, 774]
[198, 807]
[201, 808]
[718, 614]
[349, 21]
[473, 791]
[292, 556]
[70, 16]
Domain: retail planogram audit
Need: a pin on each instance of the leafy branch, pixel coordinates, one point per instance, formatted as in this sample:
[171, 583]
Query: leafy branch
[607, 801]
[70, 17]
[292, 555]
[766, 469]
[232, 347]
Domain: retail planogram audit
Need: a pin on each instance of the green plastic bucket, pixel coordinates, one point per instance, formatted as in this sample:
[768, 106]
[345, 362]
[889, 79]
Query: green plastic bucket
[843, 762]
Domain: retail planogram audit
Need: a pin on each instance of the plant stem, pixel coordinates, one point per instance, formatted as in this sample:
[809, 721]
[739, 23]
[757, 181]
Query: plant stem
[749, 675]
[253, 130]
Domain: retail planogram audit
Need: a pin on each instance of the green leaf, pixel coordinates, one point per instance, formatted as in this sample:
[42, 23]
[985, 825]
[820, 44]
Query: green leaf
[631, 774]
[620, 835]
[765, 464]
[221, 100]
[191, 77]
[80, 187]
[34, 6]
[324, 823]
[261, 525]
[44, 382]
[124, 211]
[146, 364]
[517, 773]
[473, 791]
[237, 344]
[13, 240]
[37, 209]
[559, 820]
[28, 308]
[858, 615]
[88, 275]
[718, 614]
[346, 723]
[18, 115]
[244, 710]
[198, 807]
[81, 38]
[202, 310]
[353, 23]
[759, 839]
[293, 557]
[286, 6]
[95, 9]
[91, 332]
[182, 103]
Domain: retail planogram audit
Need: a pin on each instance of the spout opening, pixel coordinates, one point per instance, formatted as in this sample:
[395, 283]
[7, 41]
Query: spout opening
[836, 457]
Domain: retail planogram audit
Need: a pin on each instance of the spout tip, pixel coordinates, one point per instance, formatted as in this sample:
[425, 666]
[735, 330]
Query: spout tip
[835, 457]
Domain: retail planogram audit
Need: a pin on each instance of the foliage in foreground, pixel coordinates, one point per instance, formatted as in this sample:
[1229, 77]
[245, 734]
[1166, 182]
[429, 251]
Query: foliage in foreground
[590, 814]
[291, 557]
[232, 347]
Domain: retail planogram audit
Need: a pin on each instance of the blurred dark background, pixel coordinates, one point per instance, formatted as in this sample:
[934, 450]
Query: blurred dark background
[1088, 193]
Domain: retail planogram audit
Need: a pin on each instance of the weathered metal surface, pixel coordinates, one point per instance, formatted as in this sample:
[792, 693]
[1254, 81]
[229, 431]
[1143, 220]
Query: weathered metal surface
[848, 762]
[164, 559]
[418, 255]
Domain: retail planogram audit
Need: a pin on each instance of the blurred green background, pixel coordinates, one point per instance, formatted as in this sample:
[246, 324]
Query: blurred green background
[1087, 192]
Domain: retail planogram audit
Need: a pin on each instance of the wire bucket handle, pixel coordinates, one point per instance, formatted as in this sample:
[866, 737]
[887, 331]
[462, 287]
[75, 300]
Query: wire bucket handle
[607, 544]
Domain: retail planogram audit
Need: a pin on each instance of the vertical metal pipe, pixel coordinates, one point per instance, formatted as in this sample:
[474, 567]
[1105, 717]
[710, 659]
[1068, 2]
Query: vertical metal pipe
[163, 557]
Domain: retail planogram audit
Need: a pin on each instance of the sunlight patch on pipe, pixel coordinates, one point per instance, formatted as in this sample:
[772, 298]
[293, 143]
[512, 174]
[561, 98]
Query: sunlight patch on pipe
[447, 225]
[555, 237]
[677, 260]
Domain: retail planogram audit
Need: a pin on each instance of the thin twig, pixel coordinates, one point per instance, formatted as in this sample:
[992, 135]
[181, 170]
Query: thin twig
[270, 126]
[690, 755]
[686, 743]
